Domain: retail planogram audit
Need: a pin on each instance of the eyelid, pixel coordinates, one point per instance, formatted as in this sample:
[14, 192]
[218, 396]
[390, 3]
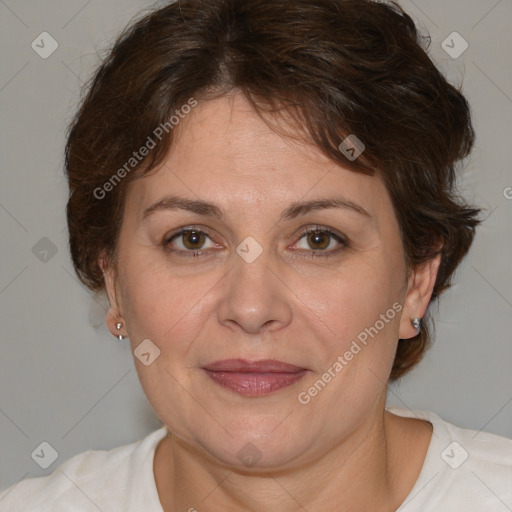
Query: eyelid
[318, 228]
[185, 229]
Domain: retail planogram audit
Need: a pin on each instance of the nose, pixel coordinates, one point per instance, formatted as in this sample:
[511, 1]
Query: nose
[254, 298]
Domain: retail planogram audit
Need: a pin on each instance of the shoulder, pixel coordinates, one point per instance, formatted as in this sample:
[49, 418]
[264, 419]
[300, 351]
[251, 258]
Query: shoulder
[463, 469]
[92, 480]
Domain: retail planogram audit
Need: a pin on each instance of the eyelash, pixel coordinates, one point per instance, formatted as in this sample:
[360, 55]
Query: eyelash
[312, 254]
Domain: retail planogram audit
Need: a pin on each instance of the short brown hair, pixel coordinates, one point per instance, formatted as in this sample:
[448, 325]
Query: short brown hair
[341, 66]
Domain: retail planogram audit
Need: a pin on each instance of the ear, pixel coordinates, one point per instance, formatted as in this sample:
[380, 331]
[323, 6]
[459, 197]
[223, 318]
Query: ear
[419, 290]
[114, 315]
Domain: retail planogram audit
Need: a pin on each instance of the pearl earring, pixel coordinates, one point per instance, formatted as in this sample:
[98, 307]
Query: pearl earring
[416, 323]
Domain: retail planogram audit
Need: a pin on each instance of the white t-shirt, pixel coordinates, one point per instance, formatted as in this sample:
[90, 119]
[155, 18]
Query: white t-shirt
[464, 470]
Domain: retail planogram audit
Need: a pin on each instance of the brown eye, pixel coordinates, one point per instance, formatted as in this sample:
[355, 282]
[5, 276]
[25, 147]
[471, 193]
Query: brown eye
[319, 239]
[321, 242]
[193, 240]
[189, 242]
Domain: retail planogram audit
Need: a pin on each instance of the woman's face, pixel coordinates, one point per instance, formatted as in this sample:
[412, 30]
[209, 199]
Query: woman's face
[261, 288]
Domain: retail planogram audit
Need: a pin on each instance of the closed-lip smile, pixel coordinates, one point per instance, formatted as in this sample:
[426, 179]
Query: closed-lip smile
[254, 378]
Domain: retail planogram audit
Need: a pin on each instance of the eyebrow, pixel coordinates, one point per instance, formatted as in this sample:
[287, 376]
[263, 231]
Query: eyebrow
[294, 210]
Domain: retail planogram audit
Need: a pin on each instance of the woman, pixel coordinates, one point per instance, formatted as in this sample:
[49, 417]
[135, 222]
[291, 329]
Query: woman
[265, 191]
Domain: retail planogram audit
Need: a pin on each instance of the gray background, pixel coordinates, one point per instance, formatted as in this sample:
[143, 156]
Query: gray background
[64, 379]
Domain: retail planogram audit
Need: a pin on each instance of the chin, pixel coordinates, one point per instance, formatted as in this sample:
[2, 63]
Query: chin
[257, 449]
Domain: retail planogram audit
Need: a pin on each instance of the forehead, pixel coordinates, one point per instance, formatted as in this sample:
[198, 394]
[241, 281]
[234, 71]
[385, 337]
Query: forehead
[224, 151]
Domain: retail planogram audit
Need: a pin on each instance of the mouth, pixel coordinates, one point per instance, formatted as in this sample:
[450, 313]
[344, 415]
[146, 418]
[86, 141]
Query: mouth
[254, 378]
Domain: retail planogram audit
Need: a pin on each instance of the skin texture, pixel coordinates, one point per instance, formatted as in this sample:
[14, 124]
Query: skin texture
[341, 450]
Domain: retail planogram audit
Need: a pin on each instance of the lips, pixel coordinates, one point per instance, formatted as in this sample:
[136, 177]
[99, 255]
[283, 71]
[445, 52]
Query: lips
[254, 378]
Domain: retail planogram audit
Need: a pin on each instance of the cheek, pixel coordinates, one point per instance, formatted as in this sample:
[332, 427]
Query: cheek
[352, 302]
[362, 310]
[170, 312]
[163, 307]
